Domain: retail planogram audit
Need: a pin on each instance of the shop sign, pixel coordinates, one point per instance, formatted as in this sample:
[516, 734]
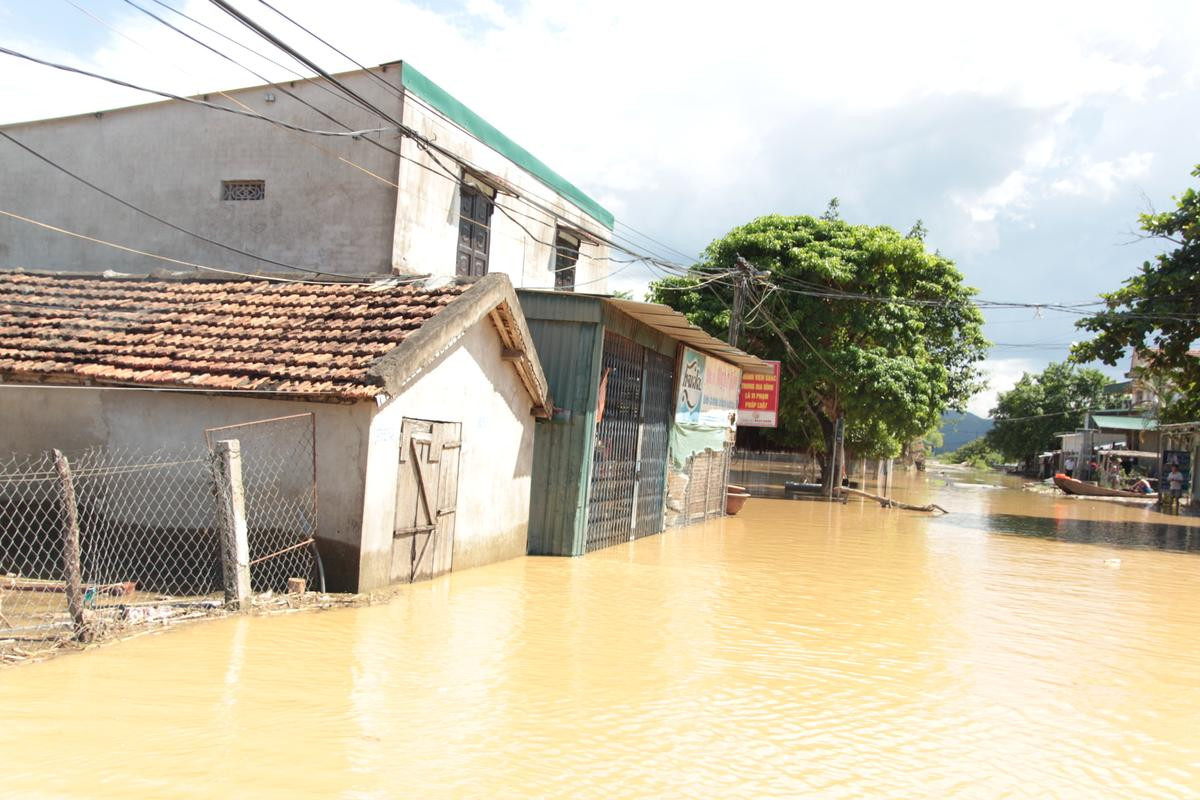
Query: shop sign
[758, 406]
[708, 390]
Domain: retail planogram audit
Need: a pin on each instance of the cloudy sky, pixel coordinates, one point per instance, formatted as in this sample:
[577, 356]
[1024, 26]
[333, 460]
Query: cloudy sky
[1027, 136]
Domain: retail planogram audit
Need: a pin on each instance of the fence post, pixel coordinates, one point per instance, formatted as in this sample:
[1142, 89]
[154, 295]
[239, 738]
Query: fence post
[231, 522]
[72, 570]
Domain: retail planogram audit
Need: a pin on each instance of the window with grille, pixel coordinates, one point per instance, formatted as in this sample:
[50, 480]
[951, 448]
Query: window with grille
[243, 190]
[474, 228]
[566, 254]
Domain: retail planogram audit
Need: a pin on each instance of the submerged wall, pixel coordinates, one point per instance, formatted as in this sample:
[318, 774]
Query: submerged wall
[472, 385]
[69, 418]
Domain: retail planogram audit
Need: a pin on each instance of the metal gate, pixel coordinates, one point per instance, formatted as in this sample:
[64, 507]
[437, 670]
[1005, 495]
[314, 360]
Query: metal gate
[657, 408]
[279, 476]
[628, 466]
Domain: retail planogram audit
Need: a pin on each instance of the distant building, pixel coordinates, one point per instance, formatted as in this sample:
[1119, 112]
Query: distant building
[1149, 391]
[474, 202]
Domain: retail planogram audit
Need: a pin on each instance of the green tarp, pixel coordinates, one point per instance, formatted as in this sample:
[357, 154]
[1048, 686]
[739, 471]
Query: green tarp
[688, 439]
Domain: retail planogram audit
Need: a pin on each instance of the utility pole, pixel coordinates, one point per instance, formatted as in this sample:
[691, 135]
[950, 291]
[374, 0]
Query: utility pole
[1085, 448]
[745, 271]
[739, 300]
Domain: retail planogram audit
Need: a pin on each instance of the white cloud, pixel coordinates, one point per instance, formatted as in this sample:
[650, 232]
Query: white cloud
[1001, 375]
[1101, 178]
[1010, 195]
[489, 10]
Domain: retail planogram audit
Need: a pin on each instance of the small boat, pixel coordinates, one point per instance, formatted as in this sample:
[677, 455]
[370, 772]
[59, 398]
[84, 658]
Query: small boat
[1073, 486]
[797, 487]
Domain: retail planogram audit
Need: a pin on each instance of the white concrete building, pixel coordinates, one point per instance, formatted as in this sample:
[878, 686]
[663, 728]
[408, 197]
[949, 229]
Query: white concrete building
[424, 397]
[471, 202]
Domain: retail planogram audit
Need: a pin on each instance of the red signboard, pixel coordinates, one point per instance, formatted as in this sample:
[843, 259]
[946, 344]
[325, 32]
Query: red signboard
[758, 406]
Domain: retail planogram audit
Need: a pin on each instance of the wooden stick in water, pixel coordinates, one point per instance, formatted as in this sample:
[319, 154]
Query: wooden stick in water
[887, 502]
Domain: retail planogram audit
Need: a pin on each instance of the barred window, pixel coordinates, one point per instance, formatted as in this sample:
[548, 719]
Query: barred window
[566, 254]
[476, 200]
[243, 190]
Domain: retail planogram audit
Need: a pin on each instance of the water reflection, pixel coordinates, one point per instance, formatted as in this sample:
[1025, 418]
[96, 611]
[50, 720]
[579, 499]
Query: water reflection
[797, 650]
[1114, 533]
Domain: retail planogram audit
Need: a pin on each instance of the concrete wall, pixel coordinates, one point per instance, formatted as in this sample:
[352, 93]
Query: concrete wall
[38, 418]
[470, 385]
[426, 232]
[171, 157]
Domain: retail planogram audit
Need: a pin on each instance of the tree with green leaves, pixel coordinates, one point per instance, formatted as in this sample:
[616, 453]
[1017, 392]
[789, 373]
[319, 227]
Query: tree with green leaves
[869, 326]
[1157, 311]
[1057, 399]
[977, 453]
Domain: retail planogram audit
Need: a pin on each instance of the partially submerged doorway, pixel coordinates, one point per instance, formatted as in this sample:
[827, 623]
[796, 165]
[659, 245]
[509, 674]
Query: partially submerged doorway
[426, 499]
[630, 458]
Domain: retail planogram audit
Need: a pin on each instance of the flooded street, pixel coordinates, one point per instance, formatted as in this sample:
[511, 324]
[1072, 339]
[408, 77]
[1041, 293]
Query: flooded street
[1022, 646]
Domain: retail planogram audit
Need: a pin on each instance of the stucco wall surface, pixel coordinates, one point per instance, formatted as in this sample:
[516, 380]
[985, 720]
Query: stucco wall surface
[170, 158]
[38, 418]
[470, 385]
[318, 211]
[426, 230]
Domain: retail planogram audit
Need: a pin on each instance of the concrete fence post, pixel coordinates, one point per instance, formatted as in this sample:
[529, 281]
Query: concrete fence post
[72, 569]
[231, 522]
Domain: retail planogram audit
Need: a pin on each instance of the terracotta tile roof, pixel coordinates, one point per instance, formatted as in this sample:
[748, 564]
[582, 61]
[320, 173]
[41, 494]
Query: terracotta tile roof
[215, 335]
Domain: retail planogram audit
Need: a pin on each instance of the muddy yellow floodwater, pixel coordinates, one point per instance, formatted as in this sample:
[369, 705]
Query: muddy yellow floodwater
[1023, 646]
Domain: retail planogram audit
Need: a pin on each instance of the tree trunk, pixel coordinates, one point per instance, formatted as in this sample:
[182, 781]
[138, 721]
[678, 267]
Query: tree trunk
[828, 434]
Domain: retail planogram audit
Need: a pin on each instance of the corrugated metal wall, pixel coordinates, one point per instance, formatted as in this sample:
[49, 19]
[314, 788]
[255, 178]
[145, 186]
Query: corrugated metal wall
[568, 331]
[570, 353]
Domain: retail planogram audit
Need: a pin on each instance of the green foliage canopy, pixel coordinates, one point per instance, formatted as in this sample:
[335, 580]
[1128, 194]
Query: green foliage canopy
[1028, 415]
[866, 322]
[1157, 311]
[977, 452]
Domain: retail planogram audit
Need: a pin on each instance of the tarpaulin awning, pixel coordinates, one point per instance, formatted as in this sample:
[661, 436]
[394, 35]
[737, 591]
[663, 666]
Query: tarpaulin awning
[688, 439]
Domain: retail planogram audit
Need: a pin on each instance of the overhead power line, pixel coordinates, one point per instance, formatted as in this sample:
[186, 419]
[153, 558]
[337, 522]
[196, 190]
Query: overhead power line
[1082, 309]
[290, 70]
[168, 259]
[162, 221]
[1037, 416]
[425, 143]
[429, 146]
[192, 100]
[236, 63]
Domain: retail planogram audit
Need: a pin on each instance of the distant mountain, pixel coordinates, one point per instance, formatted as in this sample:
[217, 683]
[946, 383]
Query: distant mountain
[958, 428]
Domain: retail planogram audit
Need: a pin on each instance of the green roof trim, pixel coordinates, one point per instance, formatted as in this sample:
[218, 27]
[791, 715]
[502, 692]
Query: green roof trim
[481, 129]
[1104, 421]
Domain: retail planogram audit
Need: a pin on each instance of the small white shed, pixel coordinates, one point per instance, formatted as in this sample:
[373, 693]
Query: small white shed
[424, 397]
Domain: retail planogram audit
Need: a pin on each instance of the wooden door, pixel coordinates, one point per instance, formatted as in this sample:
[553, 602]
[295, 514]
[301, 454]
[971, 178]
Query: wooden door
[426, 497]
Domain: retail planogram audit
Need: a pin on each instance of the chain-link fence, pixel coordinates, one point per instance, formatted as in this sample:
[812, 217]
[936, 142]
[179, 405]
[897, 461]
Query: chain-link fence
[279, 477]
[97, 541]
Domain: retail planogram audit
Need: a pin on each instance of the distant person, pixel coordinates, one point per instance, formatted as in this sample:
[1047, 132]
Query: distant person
[1142, 485]
[1114, 474]
[1070, 465]
[1174, 485]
